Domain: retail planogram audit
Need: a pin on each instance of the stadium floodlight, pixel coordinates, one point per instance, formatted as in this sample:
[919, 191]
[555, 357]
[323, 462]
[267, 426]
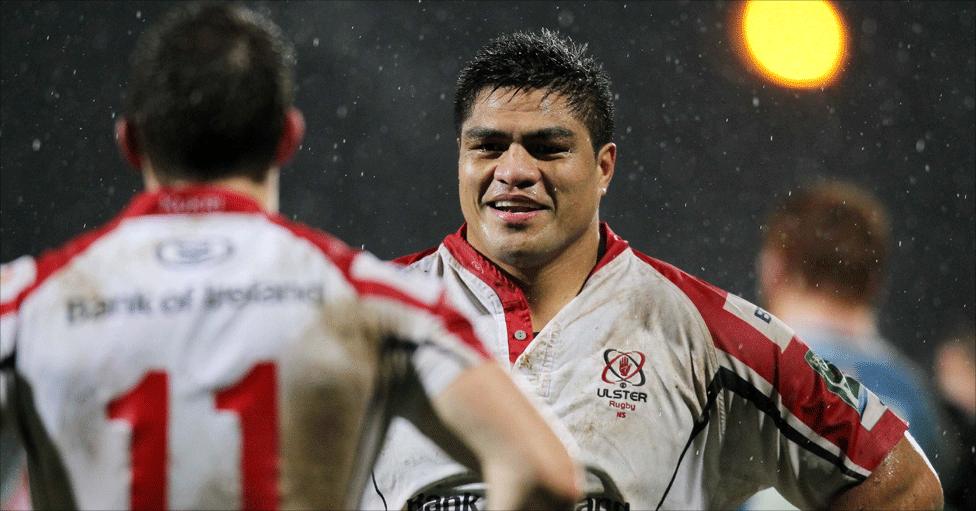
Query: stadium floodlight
[798, 44]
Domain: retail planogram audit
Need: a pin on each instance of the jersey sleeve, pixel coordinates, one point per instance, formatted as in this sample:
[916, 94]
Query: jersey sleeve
[413, 308]
[786, 417]
[16, 277]
[792, 419]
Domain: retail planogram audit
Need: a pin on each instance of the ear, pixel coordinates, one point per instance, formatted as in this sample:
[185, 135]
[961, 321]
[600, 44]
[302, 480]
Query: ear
[128, 142]
[292, 134]
[606, 161]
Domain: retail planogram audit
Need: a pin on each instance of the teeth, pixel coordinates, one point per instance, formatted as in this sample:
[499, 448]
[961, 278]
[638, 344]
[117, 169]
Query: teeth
[512, 204]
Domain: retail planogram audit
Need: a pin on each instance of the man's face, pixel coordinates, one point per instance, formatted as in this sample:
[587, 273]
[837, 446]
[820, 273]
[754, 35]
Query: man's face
[529, 181]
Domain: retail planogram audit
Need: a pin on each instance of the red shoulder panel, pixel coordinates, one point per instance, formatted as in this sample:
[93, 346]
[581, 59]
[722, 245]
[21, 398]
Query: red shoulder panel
[343, 256]
[53, 260]
[802, 390]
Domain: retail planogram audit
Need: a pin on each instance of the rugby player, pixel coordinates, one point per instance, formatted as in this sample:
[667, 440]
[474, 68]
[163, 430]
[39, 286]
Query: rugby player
[678, 394]
[200, 351]
[821, 269]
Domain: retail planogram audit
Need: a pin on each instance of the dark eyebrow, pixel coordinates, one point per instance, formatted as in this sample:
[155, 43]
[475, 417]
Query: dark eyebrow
[544, 133]
[551, 133]
[479, 133]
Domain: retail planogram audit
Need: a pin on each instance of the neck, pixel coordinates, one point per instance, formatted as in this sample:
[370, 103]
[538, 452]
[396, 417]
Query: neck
[549, 287]
[265, 193]
[801, 308]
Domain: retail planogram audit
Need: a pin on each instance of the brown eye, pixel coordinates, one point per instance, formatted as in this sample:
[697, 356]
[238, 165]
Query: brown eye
[490, 147]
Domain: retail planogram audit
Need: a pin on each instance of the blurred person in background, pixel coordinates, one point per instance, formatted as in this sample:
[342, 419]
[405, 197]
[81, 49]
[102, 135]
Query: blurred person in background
[679, 394]
[822, 269]
[955, 375]
[201, 351]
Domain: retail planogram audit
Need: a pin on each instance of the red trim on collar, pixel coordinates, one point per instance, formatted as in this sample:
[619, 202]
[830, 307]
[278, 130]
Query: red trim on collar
[191, 200]
[518, 318]
[614, 245]
[409, 259]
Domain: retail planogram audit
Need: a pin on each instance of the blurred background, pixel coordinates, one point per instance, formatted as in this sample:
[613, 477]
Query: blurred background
[706, 144]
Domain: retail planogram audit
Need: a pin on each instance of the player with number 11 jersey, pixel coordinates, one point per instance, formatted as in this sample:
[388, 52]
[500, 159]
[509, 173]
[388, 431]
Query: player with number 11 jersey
[201, 352]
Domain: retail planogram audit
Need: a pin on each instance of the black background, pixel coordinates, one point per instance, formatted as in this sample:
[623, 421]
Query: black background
[705, 146]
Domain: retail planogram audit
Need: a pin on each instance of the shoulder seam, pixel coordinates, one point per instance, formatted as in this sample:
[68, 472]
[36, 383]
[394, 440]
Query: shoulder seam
[53, 261]
[700, 322]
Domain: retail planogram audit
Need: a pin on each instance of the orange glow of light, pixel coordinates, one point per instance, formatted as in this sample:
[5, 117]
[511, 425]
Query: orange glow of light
[795, 43]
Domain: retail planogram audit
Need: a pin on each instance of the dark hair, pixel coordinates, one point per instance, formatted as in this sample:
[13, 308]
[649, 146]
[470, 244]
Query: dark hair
[209, 89]
[540, 61]
[835, 236]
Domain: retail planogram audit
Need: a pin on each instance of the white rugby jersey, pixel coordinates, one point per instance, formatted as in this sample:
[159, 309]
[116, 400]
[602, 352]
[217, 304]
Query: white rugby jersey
[678, 395]
[198, 352]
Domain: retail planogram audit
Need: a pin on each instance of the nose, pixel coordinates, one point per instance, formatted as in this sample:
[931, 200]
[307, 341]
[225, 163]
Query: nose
[517, 168]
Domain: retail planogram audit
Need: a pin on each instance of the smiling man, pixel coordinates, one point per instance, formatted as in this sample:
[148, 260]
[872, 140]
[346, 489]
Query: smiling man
[678, 394]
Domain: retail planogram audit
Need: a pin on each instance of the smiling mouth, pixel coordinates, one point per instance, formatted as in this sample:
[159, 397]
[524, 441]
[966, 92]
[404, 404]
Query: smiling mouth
[514, 207]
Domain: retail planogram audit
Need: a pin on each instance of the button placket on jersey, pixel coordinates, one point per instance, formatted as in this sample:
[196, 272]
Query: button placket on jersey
[541, 353]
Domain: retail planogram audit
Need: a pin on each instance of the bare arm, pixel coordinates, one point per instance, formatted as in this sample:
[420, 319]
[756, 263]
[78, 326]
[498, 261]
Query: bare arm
[524, 463]
[904, 480]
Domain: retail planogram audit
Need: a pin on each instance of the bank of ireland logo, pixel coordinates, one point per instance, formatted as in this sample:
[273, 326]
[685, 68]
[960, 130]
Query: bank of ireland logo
[623, 368]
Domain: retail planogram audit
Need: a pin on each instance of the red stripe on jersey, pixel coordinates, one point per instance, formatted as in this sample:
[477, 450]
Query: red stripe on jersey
[342, 256]
[409, 259]
[830, 416]
[613, 246]
[186, 200]
[802, 391]
[8, 307]
[452, 321]
[336, 251]
[518, 316]
[53, 260]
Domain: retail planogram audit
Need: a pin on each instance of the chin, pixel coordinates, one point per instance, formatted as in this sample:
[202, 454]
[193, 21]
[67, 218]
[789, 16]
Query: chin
[522, 253]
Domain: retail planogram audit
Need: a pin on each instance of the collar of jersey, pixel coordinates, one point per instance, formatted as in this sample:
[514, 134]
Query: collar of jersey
[198, 199]
[491, 274]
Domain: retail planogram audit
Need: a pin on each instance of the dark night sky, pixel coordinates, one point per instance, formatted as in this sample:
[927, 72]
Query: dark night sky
[704, 146]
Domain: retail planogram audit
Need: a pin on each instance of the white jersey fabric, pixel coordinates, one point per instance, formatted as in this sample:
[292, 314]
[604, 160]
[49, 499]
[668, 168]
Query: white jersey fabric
[678, 395]
[198, 352]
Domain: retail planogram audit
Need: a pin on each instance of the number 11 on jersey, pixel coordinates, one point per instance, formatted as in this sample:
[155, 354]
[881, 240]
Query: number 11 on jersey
[254, 399]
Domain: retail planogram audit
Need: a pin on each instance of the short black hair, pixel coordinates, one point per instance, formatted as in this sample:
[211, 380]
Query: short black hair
[208, 92]
[542, 60]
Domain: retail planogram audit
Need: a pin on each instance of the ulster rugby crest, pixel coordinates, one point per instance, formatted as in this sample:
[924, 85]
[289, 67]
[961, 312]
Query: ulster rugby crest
[623, 369]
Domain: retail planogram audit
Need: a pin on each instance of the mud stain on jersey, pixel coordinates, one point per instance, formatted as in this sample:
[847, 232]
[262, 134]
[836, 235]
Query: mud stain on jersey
[327, 386]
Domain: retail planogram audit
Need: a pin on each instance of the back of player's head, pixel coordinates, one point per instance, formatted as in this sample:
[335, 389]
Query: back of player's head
[835, 236]
[209, 89]
[541, 60]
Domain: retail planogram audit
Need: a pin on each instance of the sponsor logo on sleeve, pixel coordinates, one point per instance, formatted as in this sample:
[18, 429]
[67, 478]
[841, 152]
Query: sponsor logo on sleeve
[623, 369]
[845, 387]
